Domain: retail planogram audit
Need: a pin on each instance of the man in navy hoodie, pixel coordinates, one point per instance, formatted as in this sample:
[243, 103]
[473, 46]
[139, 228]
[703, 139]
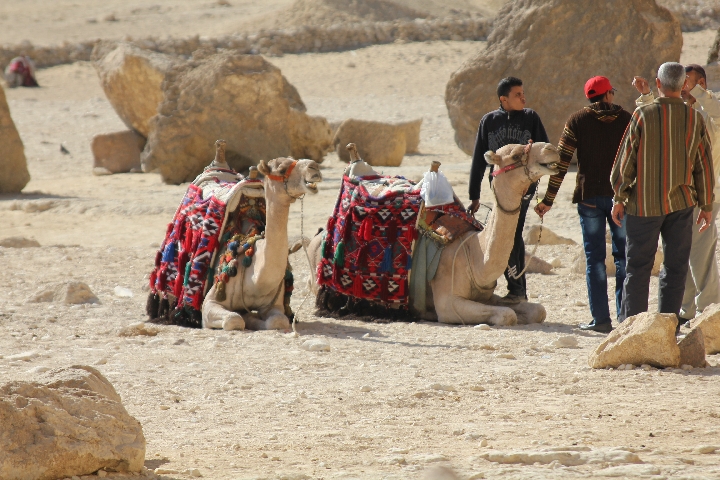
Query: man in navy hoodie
[510, 124]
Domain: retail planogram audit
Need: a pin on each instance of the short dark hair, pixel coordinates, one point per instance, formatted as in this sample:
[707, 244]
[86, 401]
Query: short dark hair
[597, 98]
[694, 67]
[506, 84]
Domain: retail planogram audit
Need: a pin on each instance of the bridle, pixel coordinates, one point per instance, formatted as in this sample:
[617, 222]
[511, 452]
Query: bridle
[523, 162]
[284, 179]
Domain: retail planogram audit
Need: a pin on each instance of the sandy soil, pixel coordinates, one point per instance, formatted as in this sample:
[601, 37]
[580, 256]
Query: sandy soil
[389, 400]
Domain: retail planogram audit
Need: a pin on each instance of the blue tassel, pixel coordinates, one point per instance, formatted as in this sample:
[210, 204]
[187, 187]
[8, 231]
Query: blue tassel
[386, 264]
[409, 263]
[233, 246]
[169, 254]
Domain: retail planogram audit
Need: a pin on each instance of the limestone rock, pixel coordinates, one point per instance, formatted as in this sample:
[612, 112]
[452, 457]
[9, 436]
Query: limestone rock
[70, 293]
[241, 98]
[132, 78]
[569, 456]
[545, 236]
[139, 329]
[646, 338]
[709, 323]
[526, 42]
[692, 349]
[19, 242]
[14, 173]
[118, 152]
[69, 422]
[537, 265]
[379, 144]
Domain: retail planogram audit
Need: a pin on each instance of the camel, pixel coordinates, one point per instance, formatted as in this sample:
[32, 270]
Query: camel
[462, 291]
[254, 297]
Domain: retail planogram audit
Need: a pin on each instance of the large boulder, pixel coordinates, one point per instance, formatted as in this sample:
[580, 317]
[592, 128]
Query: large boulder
[118, 152]
[241, 98]
[709, 323]
[554, 46]
[378, 143]
[692, 349]
[132, 79]
[70, 421]
[14, 173]
[646, 338]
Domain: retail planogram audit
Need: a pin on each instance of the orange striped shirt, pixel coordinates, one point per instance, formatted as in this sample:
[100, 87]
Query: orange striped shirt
[663, 164]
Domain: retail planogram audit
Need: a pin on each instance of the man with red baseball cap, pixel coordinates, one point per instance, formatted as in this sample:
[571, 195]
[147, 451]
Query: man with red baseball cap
[595, 132]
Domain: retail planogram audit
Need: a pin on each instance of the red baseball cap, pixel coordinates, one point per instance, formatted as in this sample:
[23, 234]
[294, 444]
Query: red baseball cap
[597, 86]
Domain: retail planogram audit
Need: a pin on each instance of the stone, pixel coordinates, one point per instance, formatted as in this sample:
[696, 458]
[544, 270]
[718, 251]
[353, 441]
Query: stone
[19, 242]
[14, 174]
[526, 40]
[646, 338]
[568, 457]
[315, 345]
[629, 471]
[692, 349]
[139, 329]
[378, 143]
[68, 422]
[709, 322]
[442, 387]
[566, 341]
[117, 152]
[122, 292]
[132, 79]
[544, 236]
[537, 265]
[705, 449]
[266, 120]
[70, 293]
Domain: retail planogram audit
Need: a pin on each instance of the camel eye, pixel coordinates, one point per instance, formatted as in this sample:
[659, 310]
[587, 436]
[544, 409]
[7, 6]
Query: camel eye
[516, 157]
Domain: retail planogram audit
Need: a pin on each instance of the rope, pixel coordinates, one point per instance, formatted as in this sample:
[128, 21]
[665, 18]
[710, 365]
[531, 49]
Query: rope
[452, 278]
[307, 255]
[512, 275]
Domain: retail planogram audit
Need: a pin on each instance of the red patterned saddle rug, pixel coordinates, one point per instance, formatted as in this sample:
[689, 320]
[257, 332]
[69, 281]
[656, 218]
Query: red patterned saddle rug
[368, 246]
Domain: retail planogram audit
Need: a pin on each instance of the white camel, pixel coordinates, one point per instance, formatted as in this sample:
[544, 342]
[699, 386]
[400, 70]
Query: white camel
[254, 297]
[462, 291]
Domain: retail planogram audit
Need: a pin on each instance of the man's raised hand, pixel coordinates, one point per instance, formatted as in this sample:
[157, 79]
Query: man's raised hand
[641, 85]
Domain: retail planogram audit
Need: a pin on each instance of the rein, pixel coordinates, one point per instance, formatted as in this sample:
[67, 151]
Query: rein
[284, 179]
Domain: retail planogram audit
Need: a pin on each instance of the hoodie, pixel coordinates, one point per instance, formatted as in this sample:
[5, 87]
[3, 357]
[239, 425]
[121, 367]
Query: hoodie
[595, 132]
[497, 129]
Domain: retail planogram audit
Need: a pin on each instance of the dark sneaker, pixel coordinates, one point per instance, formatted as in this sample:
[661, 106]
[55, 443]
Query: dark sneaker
[605, 327]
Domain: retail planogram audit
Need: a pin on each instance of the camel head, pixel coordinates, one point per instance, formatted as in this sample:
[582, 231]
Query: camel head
[292, 177]
[524, 163]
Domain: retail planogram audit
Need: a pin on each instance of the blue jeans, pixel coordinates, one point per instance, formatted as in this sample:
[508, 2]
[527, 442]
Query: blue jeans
[594, 213]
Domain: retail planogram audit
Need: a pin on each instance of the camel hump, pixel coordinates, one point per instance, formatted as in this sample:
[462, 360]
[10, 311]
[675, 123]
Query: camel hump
[354, 155]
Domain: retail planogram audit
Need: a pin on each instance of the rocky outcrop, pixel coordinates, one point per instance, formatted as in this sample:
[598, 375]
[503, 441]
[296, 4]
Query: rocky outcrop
[241, 98]
[542, 235]
[709, 323]
[70, 293]
[692, 349]
[537, 265]
[14, 173]
[533, 40]
[118, 152]
[646, 338]
[70, 421]
[132, 78]
[379, 144]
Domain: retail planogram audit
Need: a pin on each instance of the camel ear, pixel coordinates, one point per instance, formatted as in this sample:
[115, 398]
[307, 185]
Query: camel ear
[493, 158]
[263, 168]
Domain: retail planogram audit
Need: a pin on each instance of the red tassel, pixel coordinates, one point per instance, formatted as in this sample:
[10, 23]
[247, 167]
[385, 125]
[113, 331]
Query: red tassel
[357, 286]
[367, 228]
[362, 256]
[158, 257]
[384, 288]
[392, 232]
[331, 225]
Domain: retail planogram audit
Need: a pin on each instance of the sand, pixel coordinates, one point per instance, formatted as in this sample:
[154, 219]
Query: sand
[388, 400]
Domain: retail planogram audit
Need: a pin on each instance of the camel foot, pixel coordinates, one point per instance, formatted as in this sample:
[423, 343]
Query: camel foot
[274, 321]
[529, 313]
[468, 312]
[233, 321]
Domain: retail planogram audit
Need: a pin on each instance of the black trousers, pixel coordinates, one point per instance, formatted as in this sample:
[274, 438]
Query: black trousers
[516, 262]
[641, 245]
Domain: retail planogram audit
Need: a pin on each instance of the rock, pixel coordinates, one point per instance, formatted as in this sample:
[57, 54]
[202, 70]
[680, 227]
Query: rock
[14, 173]
[545, 236]
[69, 422]
[567, 457]
[267, 119]
[379, 144]
[692, 349]
[122, 292]
[567, 341]
[132, 78]
[118, 152]
[442, 387]
[537, 265]
[525, 41]
[19, 242]
[366, 388]
[709, 322]
[24, 356]
[71, 293]
[644, 338]
[629, 471]
[139, 329]
[315, 345]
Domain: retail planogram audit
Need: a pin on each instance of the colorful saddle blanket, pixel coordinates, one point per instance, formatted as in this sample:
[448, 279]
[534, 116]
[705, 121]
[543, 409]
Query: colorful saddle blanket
[216, 206]
[368, 246]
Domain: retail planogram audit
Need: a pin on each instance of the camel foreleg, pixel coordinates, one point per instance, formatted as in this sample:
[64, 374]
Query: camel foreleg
[215, 315]
[461, 311]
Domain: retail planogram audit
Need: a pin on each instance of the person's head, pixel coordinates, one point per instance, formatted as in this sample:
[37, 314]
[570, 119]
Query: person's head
[511, 94]
[695, 76]
[599, 89]
[670, 79]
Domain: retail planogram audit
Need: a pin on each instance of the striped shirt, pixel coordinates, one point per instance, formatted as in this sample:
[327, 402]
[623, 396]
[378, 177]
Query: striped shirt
[663, 164]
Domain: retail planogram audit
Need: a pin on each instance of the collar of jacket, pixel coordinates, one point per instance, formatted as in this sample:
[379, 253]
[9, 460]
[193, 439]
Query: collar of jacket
[669, 100]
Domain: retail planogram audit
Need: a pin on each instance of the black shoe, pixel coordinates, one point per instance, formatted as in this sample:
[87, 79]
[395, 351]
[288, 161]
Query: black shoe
[681, 321]
[605, 327]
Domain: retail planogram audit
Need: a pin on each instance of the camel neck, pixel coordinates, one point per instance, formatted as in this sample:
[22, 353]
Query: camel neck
[500, 229]
[277, 212]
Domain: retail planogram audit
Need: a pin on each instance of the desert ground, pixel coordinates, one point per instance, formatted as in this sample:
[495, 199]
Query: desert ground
[389, 400]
